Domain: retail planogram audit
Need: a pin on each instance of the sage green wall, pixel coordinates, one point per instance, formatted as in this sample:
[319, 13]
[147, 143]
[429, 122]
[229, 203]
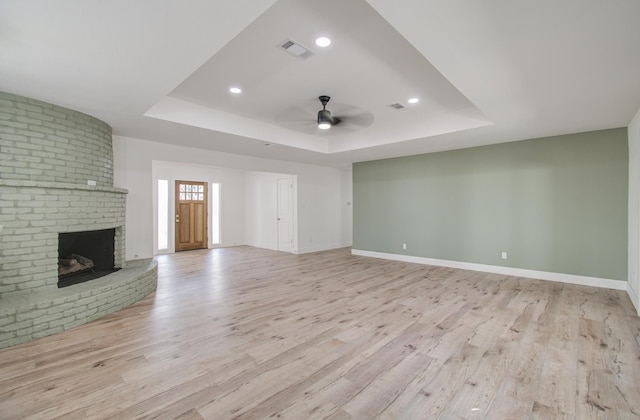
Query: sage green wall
[556, 204]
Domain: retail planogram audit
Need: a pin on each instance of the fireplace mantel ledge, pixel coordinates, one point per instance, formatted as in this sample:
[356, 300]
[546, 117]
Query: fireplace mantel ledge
[59, 185]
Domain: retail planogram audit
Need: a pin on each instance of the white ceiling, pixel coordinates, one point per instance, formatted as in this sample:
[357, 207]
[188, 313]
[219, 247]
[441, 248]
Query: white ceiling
[486, 72]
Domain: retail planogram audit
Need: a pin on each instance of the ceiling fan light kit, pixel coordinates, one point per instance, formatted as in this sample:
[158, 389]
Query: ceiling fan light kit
[324, 119]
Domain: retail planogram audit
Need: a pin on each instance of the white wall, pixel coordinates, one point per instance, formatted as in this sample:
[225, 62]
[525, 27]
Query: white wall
[231, 200]
[319, 212]
[319, 191]
[634, 211]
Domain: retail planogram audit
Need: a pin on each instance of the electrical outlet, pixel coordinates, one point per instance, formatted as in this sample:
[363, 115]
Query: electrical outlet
[504, 255]
[404, 246]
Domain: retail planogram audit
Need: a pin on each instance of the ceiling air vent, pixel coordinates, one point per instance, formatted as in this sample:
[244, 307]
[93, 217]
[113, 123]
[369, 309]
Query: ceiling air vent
[296, 49]
[396, 106]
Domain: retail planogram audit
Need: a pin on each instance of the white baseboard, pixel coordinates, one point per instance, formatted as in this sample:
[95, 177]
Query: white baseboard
[635, 299]
[517, 272]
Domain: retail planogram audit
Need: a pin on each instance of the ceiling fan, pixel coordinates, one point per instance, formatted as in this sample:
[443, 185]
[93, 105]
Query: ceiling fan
[344, 118]
[325, 120]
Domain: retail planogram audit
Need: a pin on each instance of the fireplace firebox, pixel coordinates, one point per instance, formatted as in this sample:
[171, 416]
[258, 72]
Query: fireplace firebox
[85, 256]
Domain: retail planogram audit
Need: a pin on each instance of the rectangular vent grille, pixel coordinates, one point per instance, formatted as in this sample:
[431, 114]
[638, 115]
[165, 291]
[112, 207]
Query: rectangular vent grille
[396, 106]
[296, 49]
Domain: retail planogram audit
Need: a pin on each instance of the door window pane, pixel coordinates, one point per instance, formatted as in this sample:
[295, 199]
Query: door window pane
[190, 192]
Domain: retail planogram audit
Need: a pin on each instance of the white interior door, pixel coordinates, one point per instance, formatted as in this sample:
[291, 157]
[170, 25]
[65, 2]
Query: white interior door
[285, 214]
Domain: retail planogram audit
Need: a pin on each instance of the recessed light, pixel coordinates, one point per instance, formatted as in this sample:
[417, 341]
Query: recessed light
[414, 100]
[323, 41]
[235, 90]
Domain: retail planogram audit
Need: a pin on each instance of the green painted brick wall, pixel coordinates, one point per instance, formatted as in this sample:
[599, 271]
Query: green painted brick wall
[556, 204]
[45, 142]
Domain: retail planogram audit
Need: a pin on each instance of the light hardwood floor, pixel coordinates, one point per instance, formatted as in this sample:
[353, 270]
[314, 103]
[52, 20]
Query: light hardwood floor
[250, 333]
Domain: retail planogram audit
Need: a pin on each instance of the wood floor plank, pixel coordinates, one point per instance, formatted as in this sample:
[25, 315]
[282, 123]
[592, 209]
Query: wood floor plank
[379, 393]
[250, 333]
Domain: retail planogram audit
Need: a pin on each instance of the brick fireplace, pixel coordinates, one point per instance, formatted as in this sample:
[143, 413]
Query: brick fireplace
[56, 177]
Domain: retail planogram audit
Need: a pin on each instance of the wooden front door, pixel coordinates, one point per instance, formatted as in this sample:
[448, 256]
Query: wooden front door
[191, 215]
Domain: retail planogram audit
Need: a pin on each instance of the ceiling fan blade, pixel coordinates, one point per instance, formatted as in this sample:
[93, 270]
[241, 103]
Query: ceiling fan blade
[359, 119]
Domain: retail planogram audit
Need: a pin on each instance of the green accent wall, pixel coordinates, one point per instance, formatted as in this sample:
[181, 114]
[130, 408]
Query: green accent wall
[556, 204]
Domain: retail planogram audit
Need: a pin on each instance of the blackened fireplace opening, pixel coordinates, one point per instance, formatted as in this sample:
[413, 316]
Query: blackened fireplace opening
[84, 256]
